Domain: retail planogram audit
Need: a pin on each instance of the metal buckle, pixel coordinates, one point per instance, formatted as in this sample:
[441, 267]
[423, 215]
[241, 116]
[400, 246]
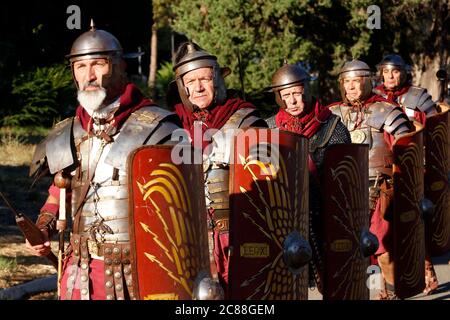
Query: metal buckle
[93, 248]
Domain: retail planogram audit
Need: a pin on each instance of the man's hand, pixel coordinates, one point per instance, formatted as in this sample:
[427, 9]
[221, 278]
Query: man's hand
[40, 250]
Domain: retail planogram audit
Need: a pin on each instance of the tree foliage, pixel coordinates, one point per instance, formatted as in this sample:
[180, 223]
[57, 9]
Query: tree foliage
[42, 95]
[322, 34]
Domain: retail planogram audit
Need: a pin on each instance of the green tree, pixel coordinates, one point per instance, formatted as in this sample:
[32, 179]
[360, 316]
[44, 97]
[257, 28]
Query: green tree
[43, 95]
[322, 34]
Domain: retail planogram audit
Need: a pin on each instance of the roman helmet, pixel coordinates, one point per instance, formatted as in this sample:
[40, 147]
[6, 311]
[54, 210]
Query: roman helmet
[356, 68]
[394, 61]
[190, 57]
[290, 75]
[97, 44]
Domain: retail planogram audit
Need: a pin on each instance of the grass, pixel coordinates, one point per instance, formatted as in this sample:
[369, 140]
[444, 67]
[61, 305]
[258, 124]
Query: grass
[14, 151]
[17, 144]
[8, 264]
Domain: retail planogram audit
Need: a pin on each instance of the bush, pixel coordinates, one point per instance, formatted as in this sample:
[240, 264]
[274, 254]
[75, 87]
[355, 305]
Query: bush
[164, 76]
[42, 96]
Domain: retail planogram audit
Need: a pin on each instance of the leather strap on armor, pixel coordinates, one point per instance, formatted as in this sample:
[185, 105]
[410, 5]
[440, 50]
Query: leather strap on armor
[73, 273]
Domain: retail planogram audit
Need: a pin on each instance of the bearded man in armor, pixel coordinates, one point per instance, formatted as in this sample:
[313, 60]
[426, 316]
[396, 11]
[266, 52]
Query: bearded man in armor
[373, 120]
[89, 151]
[417, 103]
[205, 105]
[301, 113]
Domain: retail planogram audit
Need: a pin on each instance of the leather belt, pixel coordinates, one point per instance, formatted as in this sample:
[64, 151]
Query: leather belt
[220, 221]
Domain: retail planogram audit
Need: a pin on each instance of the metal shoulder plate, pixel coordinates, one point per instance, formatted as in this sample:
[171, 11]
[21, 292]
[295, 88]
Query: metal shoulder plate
[271, 122]
[380, 93]
[241, 119]
[418, 99]
[58, 148]
[383, 114]
[137, 130]
[338, 111]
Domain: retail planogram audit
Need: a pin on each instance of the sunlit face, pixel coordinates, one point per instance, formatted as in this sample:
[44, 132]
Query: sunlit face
[391, 78]
[200, 86]
[353, 87]
[293, 98]
[89, 73]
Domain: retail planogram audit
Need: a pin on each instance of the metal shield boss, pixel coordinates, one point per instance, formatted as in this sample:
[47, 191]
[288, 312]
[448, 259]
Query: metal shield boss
[437, 224]
[345, 228]
[167, 224]
[408, 223]
[269, 251]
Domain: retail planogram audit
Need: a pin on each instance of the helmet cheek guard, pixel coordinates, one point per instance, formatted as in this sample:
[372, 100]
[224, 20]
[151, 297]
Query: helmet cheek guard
[353, 69]
[394, 61]
[290, 75]
[195, 58]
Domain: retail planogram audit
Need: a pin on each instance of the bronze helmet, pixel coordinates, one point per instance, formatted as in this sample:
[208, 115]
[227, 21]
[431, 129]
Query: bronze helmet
[394, 61]
[290, 75]
[96, 44]
[190, 57]
[352, 69]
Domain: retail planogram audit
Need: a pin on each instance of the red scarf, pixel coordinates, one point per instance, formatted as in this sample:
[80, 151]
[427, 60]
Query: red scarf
[392, 95]
[130, 101]
[306, 125]
[214, 118]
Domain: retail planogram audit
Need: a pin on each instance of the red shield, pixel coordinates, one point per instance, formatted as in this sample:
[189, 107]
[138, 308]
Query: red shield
[167, 224]
[268, 204]
[408, 229]
[346, 220]
[437, 226]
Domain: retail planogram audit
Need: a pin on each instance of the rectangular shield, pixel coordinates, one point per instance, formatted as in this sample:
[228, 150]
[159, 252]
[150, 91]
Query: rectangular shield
[346, 221]
[408, 228]
[268, 203]
[437, 226]
[167, 224]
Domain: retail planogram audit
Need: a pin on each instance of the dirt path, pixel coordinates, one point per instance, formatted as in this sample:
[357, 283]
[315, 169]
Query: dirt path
[18, 266]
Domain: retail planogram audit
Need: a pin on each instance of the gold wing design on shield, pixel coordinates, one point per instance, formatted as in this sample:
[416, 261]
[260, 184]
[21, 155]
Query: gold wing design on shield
[275, 217]
[168, 182]
[348, 203]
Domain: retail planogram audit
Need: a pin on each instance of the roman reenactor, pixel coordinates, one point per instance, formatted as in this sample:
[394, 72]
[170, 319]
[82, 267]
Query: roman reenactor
[90, 150]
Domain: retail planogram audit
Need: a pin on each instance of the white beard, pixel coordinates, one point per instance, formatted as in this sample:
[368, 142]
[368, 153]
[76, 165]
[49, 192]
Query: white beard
[92, 101]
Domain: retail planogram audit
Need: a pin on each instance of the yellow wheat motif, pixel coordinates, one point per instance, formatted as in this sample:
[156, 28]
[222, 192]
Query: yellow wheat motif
[440, 217]
[348, 215]
[278, 214]
[413, 241]
[168, 181]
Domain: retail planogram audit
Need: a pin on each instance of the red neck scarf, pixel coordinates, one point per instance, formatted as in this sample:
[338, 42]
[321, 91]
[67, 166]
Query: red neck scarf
[213, 118]
[306, 125]
[392, 95]
[130, 101]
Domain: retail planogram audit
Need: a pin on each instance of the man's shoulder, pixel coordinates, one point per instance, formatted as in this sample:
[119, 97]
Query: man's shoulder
[151, 113]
